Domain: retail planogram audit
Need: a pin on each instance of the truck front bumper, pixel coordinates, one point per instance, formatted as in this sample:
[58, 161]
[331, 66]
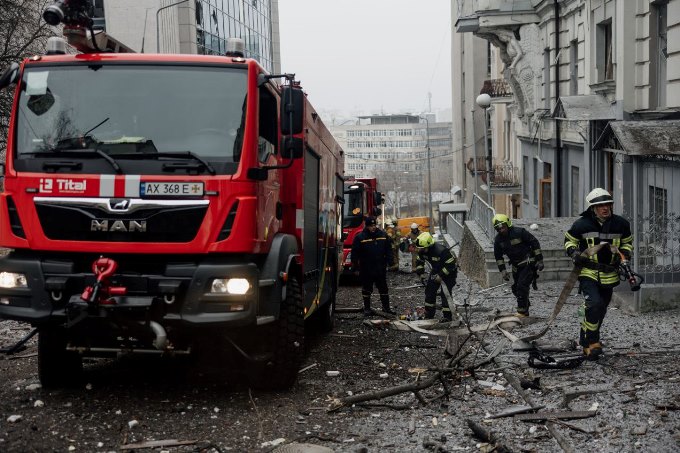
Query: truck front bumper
[180, 294]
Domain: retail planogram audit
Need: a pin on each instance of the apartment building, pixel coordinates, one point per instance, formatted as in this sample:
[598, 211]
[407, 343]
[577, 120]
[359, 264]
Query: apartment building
[394, 149]
[194, 26]
[595, 97]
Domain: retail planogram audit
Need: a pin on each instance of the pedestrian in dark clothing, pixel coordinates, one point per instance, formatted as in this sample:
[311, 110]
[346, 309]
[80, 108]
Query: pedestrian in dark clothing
[524, 253]
[444, 270]
[599, 273]
[372, 255]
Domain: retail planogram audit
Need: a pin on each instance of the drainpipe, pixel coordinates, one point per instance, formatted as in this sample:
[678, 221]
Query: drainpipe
[557, 174]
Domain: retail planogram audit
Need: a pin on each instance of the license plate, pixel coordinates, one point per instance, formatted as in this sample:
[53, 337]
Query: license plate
[171, 189]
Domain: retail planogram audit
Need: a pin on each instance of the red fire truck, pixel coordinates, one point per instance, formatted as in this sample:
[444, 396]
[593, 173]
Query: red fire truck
[159, 203]
[362, 199]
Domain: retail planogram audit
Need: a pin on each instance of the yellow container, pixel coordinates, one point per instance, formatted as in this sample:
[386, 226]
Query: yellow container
[404, 224]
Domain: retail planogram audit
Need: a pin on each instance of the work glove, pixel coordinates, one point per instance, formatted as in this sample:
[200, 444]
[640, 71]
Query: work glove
[506, 276]
[540, 266]
[422, 281]
[577, 258]
[437, 279]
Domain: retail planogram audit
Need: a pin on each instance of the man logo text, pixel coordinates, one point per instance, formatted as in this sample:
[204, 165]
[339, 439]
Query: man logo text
[119, 226]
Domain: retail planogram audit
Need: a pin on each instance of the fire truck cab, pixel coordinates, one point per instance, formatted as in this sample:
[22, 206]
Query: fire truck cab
[362, 199]
[158, 203]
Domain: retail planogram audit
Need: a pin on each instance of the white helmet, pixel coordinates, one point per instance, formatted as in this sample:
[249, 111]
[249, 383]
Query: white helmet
[598, 196]
[414, 226]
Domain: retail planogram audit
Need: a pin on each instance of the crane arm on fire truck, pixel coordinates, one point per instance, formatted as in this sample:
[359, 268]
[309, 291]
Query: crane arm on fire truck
[76, 16]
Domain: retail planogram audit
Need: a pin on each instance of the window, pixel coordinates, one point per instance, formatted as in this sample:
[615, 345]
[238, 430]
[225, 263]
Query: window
[525, 178]
[535, 181]
[268, 123]
[575, 191]
[573, 68]
[658, 210]
[658, 54]
[488, 59]
[604, 43]
[546, 78]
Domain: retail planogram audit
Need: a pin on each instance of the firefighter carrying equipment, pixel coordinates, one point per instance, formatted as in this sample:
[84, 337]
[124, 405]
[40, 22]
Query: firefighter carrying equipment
[524, 253]
[598, 196]
[500, 220]
[588, 232]
[444, 272]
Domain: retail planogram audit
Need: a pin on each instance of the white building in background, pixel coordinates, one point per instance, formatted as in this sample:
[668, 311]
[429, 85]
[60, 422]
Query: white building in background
[195, 26]
[394, 149]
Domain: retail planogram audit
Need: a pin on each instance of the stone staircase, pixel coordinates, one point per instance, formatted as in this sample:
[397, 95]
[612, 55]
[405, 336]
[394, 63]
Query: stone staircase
[476, 259]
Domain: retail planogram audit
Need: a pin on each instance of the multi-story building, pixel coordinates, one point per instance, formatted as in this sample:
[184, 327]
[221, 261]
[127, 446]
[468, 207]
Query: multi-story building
[595, 90]
[194, 26]
[394, 149]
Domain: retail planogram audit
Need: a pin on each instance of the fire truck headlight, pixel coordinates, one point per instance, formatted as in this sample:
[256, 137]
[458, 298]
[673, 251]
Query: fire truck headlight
[11, 280]
[230, 286]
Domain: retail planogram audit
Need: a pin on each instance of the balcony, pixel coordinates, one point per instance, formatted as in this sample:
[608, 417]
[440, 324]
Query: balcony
[505, 178]
[474, 15]
[497, 89]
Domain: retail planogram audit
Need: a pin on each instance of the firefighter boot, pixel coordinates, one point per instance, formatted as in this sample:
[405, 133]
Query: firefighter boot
[593, 351]
[388, 310]
[368, 311]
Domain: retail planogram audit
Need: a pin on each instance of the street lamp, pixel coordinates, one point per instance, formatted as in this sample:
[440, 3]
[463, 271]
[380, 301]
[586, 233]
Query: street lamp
[158, 33]
[429, 171]
[484, 101]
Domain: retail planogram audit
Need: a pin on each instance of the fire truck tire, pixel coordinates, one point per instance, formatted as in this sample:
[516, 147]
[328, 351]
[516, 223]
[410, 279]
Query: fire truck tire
[290, 340]
[57, 367]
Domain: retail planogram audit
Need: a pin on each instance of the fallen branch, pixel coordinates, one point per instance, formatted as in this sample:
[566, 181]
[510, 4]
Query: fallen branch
[414, 387]
[487, 436]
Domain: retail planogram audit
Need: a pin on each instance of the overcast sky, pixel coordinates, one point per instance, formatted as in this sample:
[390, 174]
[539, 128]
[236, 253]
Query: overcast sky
[369, 56]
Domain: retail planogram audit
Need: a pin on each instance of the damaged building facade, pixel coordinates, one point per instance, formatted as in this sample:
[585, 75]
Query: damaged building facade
[585, 93]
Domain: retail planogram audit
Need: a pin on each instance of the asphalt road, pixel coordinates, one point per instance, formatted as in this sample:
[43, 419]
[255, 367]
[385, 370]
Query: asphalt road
[634, 391]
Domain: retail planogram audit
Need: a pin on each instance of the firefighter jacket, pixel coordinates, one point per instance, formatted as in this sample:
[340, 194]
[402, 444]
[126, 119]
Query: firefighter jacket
[440, 258]
[372, 252]
[589, 231]
[520, 246]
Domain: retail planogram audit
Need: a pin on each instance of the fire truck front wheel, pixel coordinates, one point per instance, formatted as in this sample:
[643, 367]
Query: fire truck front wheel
[57, 367]
[289, 340]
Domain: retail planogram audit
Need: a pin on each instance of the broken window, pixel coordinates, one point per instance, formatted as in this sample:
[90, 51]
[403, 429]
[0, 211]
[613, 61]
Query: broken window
[604, 43]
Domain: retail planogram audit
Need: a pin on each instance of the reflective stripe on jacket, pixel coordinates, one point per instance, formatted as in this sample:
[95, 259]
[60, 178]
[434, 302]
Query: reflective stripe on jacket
[587, 232]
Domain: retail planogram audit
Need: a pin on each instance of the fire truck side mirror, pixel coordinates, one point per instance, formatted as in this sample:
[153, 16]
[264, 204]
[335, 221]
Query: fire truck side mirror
[9, 76]
[292, 110]
[291, 147]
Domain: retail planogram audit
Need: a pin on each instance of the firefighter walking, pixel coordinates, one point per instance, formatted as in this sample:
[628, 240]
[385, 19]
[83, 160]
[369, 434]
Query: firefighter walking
[372, 255]
[444, 270]
[524, 254]
[599, 273]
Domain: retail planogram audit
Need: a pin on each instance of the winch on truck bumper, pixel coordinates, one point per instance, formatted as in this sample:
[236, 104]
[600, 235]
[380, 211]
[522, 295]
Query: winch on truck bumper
[48, 290]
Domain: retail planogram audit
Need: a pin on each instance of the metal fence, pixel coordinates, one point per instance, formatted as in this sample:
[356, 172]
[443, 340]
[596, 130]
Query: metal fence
[482, 213]
[454, 228]
[656, 230]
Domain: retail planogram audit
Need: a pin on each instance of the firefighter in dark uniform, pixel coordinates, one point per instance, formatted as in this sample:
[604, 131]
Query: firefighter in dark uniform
[372, 255]
[599, 273]
[444, 270]
[524, 253]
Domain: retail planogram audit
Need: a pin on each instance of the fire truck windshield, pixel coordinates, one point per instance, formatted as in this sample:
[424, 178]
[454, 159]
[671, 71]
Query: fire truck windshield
[148, 109]
[354, 208]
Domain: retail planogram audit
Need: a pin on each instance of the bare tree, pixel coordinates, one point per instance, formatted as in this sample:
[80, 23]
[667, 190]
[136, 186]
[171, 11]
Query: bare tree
[23, 33]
